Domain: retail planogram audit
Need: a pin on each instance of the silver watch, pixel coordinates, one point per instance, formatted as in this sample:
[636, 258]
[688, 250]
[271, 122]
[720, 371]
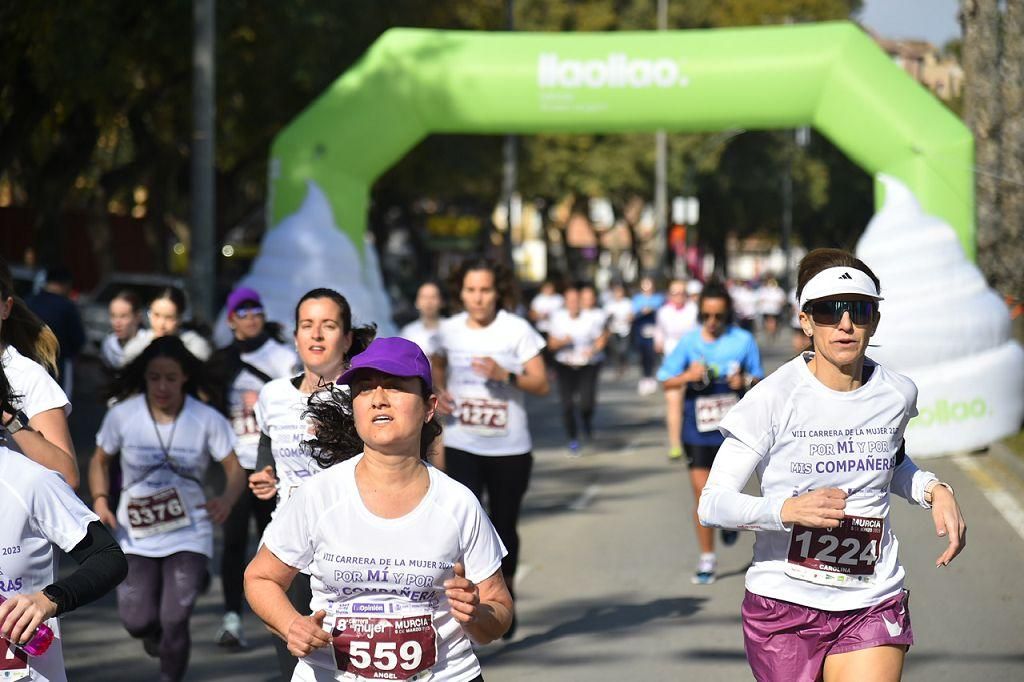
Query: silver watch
[17, 423]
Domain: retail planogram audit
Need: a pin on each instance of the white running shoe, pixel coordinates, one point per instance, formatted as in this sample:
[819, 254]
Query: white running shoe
[705, 573]
[230, 633]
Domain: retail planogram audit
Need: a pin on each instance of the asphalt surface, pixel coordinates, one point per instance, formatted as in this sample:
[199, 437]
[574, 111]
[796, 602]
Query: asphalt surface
[604, 588]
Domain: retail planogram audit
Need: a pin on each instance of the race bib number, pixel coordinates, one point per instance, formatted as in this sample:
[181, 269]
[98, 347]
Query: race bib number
[13, 662]
[839, 556]
[399, 647]
[711, 410]
[158, 513]
[484, 417]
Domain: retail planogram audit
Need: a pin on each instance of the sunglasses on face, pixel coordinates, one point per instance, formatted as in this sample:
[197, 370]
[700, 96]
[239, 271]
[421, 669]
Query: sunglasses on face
[831, 312]
[243, 313]
[713, 316]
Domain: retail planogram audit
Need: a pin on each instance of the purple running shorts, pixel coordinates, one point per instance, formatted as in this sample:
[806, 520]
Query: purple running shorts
[786, 642]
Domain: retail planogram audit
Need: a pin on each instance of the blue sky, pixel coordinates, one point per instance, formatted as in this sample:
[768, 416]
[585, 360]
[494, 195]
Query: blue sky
[931, 20]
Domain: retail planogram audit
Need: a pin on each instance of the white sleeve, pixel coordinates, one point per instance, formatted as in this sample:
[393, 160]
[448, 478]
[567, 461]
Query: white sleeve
[220, 437]
[41, 393]
[530, 344]
[909, 482]
[722, 505]
[109, 438]
[290, 535]
[259, 410]
[57, 513]
[482, 549]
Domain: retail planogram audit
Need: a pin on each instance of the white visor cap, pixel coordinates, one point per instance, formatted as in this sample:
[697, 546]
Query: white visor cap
[835, 281]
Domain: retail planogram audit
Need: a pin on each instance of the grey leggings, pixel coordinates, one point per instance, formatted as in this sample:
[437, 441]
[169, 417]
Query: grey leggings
[156, 600]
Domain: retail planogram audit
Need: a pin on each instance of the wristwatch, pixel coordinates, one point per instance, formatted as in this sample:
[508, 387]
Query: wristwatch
[513, 379]
[16, 423]
[57, 596]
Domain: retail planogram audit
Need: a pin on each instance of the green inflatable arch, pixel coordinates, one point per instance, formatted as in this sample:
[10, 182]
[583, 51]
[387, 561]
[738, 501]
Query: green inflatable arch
[415, 82]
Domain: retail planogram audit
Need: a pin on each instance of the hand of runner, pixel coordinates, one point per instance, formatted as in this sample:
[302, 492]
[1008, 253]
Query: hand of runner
[736, 380]
[949, 522]
[463, 595]
[306, 633]
[445, 402]
[489, 369]
[218, 508]
[696, 372]
[263, 483]
[21, 614]
[107, 517]
[822, 508]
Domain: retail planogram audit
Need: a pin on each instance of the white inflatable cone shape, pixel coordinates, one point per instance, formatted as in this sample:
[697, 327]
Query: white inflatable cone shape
[305, 251]
[943, 327]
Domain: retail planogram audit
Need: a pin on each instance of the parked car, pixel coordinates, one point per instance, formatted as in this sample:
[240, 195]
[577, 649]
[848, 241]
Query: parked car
[26, 280]
[94, 306]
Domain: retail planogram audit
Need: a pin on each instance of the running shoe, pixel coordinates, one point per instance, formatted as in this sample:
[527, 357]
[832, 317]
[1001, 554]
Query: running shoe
[705, 574]
[729, 537]
[675, 454]
[230, 633]
[574, 448]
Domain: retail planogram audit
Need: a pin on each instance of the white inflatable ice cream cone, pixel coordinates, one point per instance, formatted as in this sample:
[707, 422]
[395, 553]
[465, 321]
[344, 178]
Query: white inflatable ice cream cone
[944, 328]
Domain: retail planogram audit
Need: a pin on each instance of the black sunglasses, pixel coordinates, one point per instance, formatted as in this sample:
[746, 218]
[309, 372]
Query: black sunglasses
[831, 312]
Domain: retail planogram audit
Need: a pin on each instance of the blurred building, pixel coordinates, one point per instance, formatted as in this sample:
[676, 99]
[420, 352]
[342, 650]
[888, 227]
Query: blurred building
[940, 73]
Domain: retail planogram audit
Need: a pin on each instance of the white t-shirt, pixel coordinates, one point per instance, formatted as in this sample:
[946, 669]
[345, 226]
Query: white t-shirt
[279, 416]
[195, 344]
[362, 563]
[620, 314]
[39, 511]
[771, 299]
[36, 390]
[490, 417]
[274, 359]
[584, 330]
[544, 305]
[198, 435]
[744, 301]
[799, 435]
[424, 337]
[672, 324]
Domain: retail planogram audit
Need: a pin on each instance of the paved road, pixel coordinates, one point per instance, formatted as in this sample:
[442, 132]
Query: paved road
[605, 593]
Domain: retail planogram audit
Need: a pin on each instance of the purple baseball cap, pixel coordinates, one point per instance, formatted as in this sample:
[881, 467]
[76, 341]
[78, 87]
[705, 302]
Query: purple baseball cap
[392, 355]
[242, 295]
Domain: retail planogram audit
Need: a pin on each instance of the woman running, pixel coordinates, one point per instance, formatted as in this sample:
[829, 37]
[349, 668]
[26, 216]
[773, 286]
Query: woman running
[40, 515]
[715, 364]
[125, 322]
[326, 341]
[825, 597]
[425, 330]
[490, 359]
[29, 357]
[166, 439]
[673, 321]
[255, 357]
[166, 311]
[620, 321]
[405, 565]
[577, 341]
[645, 309]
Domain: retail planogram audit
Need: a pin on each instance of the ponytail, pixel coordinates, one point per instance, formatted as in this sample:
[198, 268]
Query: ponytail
[24, 330]
[30, 336]
[361, 338]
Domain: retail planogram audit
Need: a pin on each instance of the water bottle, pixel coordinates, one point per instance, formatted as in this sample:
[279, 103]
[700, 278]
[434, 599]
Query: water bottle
[40, 642]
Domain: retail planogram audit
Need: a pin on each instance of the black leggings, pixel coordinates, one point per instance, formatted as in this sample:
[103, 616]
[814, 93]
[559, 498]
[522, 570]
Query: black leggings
[573, 382]
[236, 543]
[647, 356]
[157, 598]
[505, 479]
[300, 594]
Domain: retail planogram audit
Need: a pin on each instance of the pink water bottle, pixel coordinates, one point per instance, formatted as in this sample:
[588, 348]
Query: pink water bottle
[40, 641]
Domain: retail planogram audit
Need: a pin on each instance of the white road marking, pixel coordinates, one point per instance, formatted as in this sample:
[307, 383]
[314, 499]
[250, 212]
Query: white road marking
[585, 498]
[1005, 503]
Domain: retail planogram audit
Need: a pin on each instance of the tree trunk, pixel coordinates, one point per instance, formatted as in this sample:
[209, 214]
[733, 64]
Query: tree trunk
[983, 113]
[1009, 276]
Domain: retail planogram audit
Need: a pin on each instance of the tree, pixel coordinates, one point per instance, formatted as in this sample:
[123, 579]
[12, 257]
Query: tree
[993, 54]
